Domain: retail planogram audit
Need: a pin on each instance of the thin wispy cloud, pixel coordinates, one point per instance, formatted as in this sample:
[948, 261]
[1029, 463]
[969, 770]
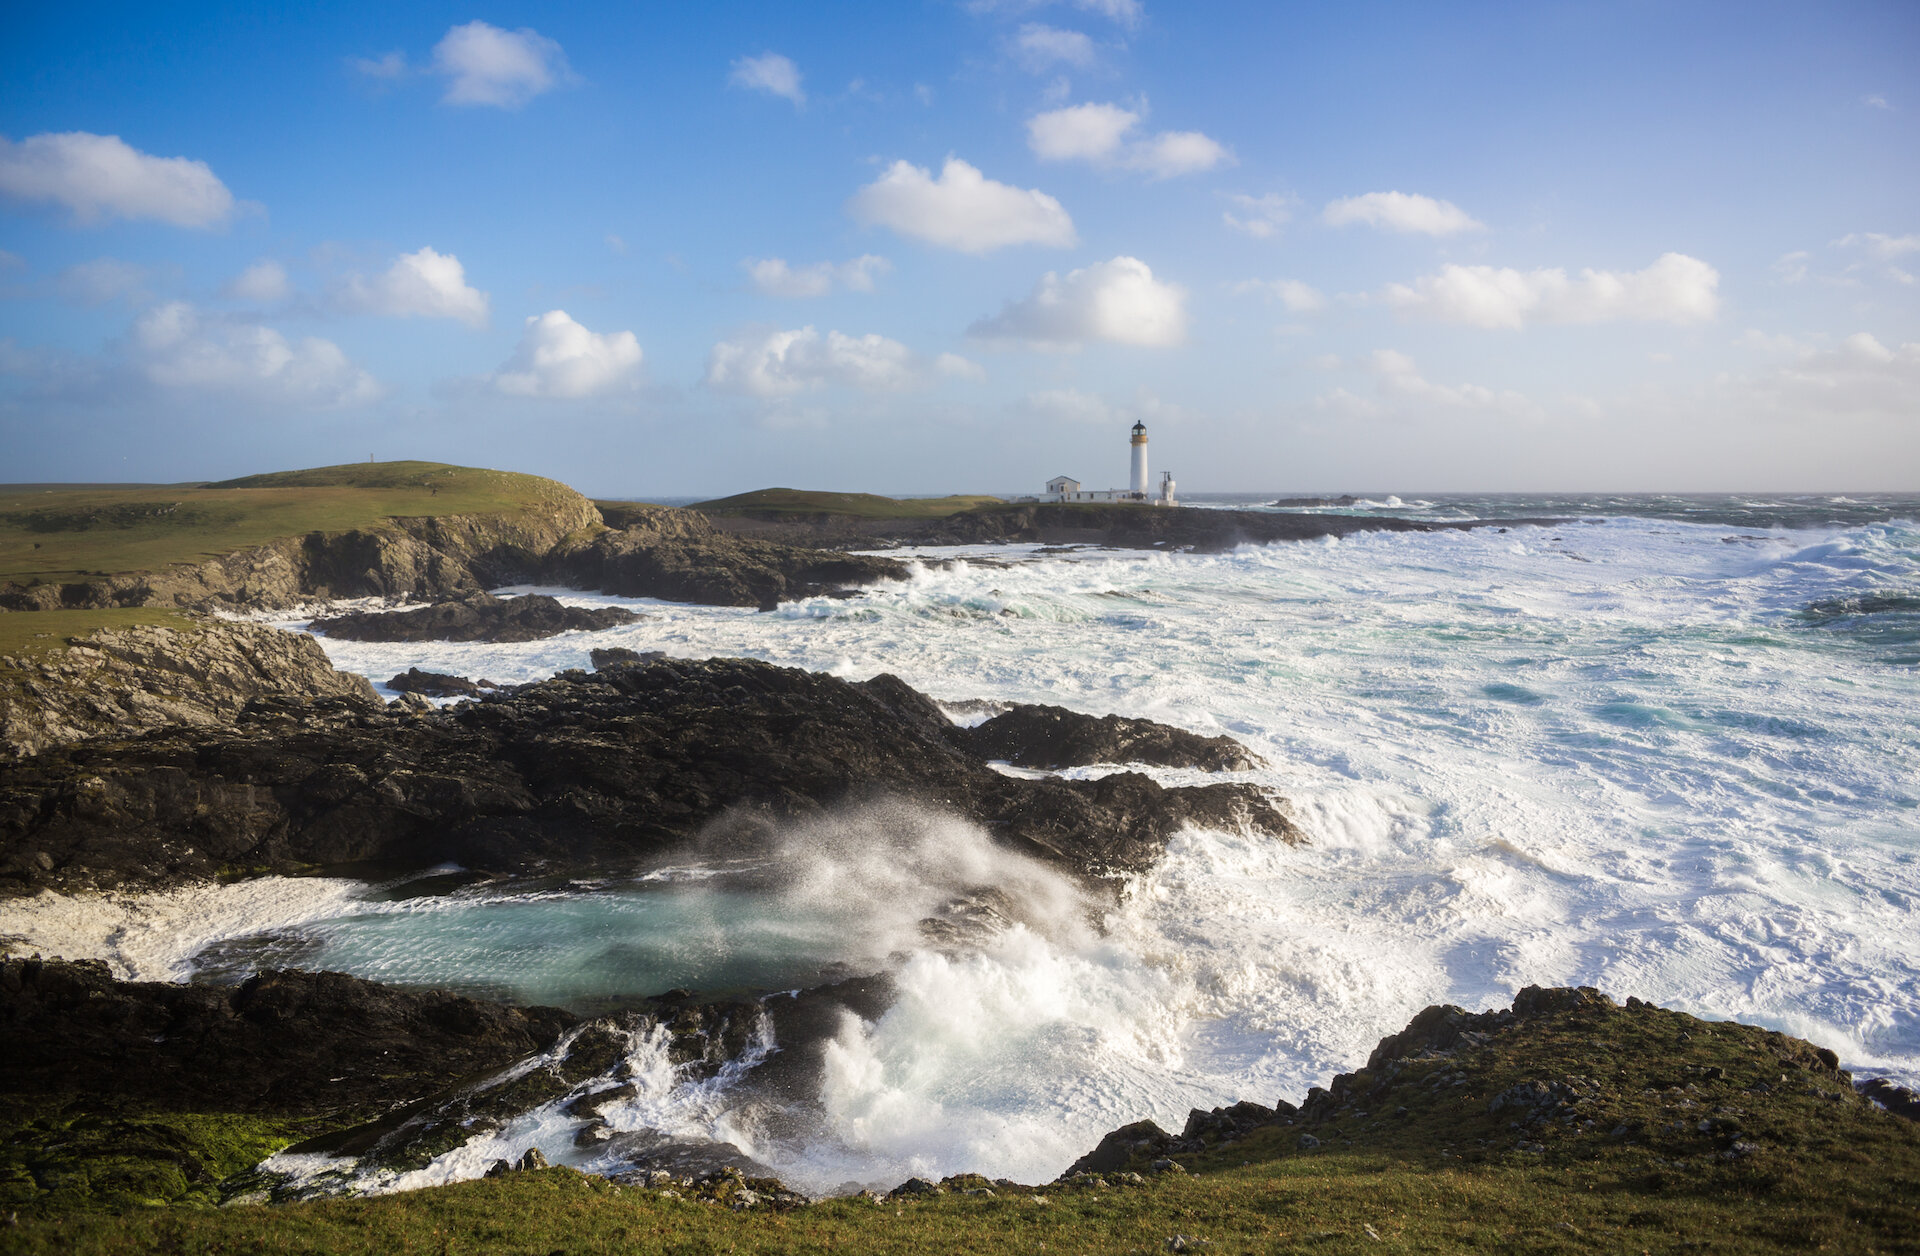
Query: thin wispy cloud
[771, 73]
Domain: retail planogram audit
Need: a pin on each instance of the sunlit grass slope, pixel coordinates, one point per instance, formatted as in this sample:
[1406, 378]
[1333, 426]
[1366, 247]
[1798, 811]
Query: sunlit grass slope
[62, 534]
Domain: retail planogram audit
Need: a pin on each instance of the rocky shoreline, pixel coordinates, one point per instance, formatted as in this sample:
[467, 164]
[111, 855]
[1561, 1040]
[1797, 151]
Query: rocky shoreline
[583, 771]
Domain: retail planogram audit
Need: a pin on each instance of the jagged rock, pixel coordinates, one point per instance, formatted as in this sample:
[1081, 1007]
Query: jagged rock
[477, 617]
[917, 1186]
[1138, 1139]
[122, 680]
[534, 1159]
[434, 684]
[1896, 1099]
[619, 656]
[280, 1042]
[1053, 737]
[678, 556]
[576, 772]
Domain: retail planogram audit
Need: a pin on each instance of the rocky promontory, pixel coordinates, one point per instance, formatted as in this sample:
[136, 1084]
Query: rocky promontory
[584, 770]
[680, 556]
[476, 617]
[115, 681]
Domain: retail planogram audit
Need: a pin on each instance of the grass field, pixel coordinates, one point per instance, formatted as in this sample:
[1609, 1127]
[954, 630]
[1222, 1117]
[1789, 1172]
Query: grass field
[1689, 1136]
[41, 631]
[774, 502]
[62, 534]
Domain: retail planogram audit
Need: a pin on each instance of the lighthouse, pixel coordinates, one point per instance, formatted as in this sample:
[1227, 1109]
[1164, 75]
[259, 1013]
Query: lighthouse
[1139, 485]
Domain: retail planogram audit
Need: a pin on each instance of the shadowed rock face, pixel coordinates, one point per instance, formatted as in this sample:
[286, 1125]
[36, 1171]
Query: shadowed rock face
[479, 617]
[118, 680]
[1053, 737]
[286, 1042]
[679, 556]
[580, 771]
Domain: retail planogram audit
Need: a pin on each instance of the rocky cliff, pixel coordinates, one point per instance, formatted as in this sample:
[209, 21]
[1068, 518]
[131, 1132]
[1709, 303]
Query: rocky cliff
[123, 680]
[424, 557]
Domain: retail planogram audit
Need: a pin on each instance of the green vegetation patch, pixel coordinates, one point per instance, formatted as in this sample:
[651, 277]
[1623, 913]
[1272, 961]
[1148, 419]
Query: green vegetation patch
[26, 633]
[1591, 1128]
[64, 1154]
[63, 535]
[775, 503]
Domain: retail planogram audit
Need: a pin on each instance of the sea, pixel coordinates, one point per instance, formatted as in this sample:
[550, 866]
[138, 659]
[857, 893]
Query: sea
[1668, 746]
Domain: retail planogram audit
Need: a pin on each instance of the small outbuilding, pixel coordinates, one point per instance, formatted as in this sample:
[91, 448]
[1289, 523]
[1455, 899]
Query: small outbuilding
[1062, 486]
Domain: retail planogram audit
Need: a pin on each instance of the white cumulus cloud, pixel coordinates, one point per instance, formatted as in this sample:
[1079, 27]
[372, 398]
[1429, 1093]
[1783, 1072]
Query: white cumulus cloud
[1098, 133]
[1861, 377]
[1118, 301]
[771, 73]
[775, 277]
[954, 366]
[386, 68]
[1039, 46]
[265, 282]
[99, 177]
[1675, 289]
[962, 209]
[557, 357]
[423, 284]
[178, 348]
[1400, 211]
[782, 363]
[485, 65]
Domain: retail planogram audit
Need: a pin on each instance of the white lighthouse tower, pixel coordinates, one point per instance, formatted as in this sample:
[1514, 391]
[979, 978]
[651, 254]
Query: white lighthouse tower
[1139, 485]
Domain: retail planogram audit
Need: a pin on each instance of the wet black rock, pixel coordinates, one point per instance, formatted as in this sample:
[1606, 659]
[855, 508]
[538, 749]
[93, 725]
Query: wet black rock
[678, 556]
[581, 771]
[1053, 737]
[434, 684]
[282, 1042]
[1895, 1098]
[478, 617]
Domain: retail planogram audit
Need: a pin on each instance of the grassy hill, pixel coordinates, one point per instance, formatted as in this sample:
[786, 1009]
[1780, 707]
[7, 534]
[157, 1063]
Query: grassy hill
[53, 534]
[775, 503]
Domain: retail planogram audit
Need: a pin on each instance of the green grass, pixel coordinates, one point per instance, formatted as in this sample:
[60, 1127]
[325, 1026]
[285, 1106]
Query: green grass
[57, 535]
[1408, 1161]
[40, 632]
[772, 503]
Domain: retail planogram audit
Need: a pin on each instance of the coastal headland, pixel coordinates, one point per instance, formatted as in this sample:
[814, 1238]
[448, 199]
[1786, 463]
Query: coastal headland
[154, 742]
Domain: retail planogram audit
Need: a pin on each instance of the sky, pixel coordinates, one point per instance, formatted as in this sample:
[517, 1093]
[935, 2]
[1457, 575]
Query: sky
[937, 246]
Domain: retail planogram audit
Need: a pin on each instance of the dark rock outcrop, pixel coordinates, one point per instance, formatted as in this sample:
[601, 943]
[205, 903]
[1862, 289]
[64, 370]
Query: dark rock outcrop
[1053, 737]
[582, 770]
[284, 1042]
[476, 617]
[122, 680]
[1124, 525]
[679, 556]
[436, 684]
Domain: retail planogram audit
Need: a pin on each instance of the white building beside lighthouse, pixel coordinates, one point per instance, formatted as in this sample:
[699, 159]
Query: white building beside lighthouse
[1064, 488]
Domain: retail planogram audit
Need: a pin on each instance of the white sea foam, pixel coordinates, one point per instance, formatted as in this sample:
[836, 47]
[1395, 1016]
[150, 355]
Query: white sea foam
[154, 937]
[1607, 752]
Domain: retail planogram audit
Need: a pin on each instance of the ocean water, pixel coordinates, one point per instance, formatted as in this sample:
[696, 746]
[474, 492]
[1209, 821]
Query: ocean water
[1669, 748]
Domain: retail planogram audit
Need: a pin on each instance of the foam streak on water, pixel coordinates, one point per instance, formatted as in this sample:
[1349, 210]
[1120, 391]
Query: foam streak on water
[1615, 753]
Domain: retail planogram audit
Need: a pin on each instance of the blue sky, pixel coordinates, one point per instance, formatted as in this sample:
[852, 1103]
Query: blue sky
[953, 246]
